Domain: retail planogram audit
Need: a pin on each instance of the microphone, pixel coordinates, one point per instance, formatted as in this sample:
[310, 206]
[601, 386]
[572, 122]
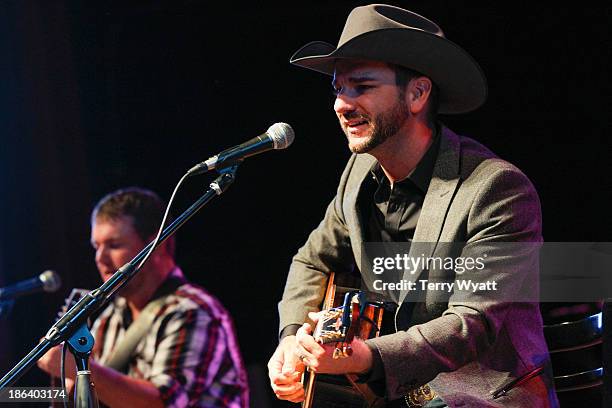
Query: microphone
[48, 281]
[278, 136]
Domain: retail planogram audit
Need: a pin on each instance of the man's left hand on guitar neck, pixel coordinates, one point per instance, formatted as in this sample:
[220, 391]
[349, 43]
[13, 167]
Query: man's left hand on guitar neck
[319, 357]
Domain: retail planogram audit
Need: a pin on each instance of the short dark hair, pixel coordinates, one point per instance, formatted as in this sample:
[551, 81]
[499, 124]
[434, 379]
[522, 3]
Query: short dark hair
[145, 208]
[403, 76]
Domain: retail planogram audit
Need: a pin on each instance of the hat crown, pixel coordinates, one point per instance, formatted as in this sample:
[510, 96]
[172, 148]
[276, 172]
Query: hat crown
[375, 17]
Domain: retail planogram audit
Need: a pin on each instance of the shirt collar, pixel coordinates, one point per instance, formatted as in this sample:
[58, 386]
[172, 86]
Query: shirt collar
[174, 279]
[422, 173]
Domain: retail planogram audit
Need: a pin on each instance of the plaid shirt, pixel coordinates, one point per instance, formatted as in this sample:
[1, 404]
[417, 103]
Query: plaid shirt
[190, 353]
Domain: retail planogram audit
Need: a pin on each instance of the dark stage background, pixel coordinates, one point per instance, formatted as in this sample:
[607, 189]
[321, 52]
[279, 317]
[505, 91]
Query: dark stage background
[99, 95]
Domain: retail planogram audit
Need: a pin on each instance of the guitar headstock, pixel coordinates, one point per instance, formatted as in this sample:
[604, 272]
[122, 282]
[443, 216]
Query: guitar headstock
[329, 328]
[356, 317]
[75, 295]
[337, 325]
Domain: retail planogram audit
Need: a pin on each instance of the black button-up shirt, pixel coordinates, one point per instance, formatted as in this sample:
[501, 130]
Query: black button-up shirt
[394, 209]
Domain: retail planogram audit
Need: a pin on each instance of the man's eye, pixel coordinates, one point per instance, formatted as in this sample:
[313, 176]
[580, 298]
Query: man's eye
[362, 88]
[357, 90]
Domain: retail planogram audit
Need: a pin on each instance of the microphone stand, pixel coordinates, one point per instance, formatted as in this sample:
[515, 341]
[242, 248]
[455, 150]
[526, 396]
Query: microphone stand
[80, 345]
[72, 326]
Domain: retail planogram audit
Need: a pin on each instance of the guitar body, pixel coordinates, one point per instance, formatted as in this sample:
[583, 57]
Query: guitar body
[336, 391]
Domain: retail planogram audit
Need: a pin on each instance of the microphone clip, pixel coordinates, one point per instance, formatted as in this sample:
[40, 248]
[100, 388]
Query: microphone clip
[227, 175]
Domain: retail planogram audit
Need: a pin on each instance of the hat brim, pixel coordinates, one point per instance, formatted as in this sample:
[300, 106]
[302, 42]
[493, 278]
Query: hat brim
[462, 84]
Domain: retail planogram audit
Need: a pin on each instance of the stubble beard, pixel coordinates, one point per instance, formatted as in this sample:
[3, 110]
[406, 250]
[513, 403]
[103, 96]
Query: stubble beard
[384, 126]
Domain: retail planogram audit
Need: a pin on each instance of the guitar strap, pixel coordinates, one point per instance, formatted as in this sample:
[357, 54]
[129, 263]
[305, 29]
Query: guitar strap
[134, 334]
[122, 354]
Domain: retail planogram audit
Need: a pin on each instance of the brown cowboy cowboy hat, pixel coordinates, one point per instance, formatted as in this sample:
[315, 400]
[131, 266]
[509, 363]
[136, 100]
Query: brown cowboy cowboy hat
[390, 34]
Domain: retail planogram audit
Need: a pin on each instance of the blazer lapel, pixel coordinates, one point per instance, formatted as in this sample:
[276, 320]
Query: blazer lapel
[364, 163]
[440, 193]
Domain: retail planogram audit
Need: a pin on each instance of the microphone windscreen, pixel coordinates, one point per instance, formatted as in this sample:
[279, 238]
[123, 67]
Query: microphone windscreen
[282, 135]
[51, 281]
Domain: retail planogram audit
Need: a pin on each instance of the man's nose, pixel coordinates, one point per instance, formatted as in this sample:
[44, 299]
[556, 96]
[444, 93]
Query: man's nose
[101, 254]
[344, 103]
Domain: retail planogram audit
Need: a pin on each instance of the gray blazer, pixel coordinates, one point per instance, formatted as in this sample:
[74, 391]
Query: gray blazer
[466, 346]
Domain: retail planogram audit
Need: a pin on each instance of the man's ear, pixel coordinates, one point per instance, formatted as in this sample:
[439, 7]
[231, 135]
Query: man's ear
[418, 93]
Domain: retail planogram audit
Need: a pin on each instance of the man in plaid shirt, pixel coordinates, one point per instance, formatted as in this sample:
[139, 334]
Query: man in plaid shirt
[188, 355]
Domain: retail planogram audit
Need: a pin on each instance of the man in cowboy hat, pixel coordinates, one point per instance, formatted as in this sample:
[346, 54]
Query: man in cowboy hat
[393, 71]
